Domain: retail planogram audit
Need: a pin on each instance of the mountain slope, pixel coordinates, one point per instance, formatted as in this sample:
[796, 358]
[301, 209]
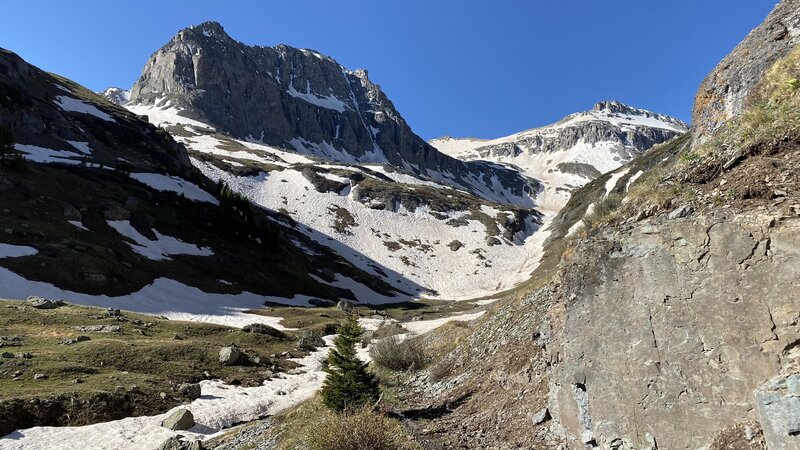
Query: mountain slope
[108, 210]
[573, 151]
[298, 99]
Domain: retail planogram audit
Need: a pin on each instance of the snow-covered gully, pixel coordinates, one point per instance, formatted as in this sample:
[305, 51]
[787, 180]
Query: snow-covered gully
[220, 407]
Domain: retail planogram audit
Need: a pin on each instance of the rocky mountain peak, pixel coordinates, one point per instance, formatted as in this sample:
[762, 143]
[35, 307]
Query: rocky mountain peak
[304, 101]
[116, 95]
[614, 108]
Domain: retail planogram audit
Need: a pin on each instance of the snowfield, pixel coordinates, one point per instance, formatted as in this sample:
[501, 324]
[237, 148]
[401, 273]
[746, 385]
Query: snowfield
[425, 260]
[164, 115]
[164, 297]
[47, 156]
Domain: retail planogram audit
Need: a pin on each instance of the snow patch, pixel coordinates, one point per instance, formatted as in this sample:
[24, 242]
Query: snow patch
[328, 101]
[74, 105]
[175, 184]
[160, 249]
[15, 251]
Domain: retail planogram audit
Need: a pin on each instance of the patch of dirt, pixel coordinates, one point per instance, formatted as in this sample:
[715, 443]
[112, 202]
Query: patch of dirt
[343, 220]
[767, 174]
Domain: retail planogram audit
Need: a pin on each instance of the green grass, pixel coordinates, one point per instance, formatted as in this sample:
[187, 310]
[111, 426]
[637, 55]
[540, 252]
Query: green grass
[151, 359]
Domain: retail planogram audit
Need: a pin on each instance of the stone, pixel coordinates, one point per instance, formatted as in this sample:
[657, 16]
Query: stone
[40, 376]
[229, 355]
[99, 328]
[190, 390]
[680, 212]
[455, 245]
[43, 303]
[778, 407]
[346, 306]
[75, 340]
[177, 443]
[180, 419]
[543, 415]
[492, 241]
[310, 340]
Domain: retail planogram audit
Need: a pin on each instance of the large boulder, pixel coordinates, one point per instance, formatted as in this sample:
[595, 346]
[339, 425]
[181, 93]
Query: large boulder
[180, 419]
[229, 355]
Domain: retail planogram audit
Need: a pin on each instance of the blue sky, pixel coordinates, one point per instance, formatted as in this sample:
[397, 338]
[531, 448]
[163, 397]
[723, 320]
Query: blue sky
[461, 68]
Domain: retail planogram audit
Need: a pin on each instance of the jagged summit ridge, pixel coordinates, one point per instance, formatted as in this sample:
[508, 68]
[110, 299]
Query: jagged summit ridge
[573, 151]
[301, 100]
[116, 95]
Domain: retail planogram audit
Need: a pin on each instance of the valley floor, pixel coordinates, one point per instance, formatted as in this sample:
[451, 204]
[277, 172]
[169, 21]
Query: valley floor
[221, 405]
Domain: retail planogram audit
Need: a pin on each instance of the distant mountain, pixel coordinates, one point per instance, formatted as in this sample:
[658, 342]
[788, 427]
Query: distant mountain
[301, 100]
[573, 151]
[116, 95]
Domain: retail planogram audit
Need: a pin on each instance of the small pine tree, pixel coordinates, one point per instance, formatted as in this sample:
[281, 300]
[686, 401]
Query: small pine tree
[349, 385]
[6, 145]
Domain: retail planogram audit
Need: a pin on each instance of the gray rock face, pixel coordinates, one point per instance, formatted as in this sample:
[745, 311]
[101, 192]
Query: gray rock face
[778, 403]
[674, 332]
[180, 419]
[299, 99]
[724, 92]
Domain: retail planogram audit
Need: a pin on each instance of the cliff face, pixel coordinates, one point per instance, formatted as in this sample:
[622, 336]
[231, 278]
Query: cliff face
[669, 329]
[725, 91]
[302, 100]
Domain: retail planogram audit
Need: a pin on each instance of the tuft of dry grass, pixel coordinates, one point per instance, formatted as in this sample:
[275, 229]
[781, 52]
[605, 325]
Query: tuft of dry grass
[393, 353]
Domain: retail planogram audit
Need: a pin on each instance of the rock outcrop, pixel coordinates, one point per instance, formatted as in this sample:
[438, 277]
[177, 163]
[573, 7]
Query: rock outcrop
[667, 336]
[724, 92]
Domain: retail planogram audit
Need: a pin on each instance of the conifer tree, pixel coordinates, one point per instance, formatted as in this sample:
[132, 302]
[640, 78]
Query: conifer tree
[6, 145]
[349, 385]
